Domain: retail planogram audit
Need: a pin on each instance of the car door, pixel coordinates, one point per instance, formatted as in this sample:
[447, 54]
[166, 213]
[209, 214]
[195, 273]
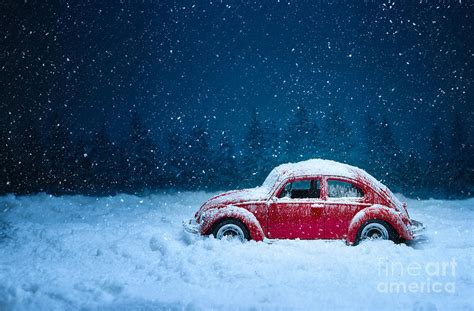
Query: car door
[343, 199]
[296, 210]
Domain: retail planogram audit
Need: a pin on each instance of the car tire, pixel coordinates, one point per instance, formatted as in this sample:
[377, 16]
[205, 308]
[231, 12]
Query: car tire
[231, 228]
[376, 229]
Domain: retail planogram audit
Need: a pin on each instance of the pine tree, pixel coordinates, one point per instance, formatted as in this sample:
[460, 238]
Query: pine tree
[31, 167]
[371, 158]
[391, 157]
[175, 163]
[383, 156]
[301, 136]
[412, 175]
[227, 174]
[81, 157]
[141, 156]
[460, 168]
[199, 170]
[273, 146]
[58, 168]
[437, 162]
[6, 161]
[101, 162]
[337, 140]
[117, 160]
[253, 161]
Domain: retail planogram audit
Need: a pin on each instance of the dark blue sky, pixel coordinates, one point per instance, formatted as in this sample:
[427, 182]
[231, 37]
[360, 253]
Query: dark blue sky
[94, 61]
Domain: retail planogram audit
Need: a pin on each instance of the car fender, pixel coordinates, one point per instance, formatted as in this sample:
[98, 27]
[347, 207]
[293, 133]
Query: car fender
[214, 215]
[380, 212]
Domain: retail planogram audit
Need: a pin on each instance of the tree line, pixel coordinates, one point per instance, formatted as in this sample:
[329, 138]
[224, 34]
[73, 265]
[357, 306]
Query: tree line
[95, 163]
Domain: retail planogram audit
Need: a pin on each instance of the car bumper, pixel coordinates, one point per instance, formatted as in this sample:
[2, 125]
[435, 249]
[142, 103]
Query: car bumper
[191, 226]
[417, 228]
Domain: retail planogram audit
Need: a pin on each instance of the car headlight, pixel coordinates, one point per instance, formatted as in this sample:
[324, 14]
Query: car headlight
[202, 217]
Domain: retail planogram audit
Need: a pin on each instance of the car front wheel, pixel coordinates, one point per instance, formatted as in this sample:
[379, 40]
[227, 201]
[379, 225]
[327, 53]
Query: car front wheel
[376, 230]
[231, 229]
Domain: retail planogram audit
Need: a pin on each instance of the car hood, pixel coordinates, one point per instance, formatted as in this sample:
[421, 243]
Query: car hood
[238, 196]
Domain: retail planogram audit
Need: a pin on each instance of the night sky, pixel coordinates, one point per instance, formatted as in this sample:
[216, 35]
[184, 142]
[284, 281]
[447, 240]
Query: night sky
[93, 61]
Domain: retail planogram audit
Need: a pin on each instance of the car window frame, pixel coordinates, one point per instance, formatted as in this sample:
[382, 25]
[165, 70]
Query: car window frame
[283, 184]
[345, 199]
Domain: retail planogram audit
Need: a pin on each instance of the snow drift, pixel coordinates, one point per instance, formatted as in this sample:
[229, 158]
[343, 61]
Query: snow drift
[131, 252]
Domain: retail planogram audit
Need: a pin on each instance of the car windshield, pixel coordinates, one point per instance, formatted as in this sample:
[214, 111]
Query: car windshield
[271, 180]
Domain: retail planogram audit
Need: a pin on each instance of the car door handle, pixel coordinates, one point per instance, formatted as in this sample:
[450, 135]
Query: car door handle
[317, 205]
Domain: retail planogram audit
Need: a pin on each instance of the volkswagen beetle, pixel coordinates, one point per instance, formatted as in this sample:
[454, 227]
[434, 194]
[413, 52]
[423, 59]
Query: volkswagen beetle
[313, 199]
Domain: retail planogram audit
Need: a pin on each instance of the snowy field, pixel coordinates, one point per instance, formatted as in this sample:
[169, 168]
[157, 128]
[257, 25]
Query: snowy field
[128, 252]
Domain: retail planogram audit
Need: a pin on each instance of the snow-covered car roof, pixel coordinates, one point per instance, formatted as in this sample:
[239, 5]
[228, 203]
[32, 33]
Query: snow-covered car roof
[316, 167]
[320, 167]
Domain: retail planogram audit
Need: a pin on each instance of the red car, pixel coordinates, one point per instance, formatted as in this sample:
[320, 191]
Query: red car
[314, 199]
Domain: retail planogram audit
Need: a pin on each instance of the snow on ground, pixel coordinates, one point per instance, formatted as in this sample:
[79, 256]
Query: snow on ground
[128, 252]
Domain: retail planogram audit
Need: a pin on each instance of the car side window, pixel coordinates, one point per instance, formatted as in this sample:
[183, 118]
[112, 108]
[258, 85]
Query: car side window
[302, 189]
[343, 189]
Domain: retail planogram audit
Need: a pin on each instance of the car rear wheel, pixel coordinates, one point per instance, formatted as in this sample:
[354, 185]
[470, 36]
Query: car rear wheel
[230, 229]
[376, 230]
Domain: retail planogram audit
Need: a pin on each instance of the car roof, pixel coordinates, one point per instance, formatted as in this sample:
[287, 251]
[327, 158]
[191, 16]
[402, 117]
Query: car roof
[316, 167]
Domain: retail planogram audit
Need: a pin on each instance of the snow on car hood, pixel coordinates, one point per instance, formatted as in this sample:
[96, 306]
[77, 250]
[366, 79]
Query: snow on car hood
[236, 196]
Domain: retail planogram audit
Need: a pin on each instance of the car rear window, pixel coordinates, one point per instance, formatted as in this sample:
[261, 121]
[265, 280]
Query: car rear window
[343, 189]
